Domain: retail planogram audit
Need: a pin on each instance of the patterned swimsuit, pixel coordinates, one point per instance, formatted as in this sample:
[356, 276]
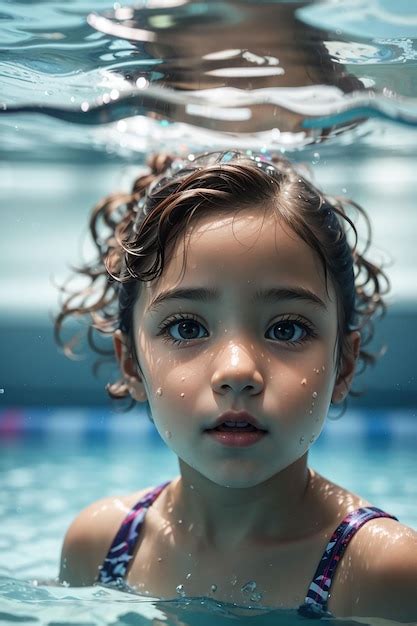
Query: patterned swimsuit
[115, 565]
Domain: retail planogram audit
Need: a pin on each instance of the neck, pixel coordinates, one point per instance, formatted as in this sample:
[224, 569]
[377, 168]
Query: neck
[225, 516]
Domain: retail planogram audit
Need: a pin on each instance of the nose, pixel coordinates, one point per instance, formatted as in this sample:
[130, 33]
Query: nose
[236, 370]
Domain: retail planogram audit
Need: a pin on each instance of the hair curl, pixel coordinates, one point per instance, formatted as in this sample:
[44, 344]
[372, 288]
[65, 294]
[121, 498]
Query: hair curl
[144, 225]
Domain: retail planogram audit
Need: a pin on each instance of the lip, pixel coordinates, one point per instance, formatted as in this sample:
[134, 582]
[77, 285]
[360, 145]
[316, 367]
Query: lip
[236, 416]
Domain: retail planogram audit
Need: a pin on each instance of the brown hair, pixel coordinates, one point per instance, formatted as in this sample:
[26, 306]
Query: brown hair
[144, 225]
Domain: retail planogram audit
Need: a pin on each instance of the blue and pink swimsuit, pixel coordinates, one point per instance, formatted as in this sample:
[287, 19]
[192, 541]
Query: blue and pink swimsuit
[114, 568]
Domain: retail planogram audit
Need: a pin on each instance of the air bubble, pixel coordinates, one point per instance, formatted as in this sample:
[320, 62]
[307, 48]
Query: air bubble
[180, 590]
[141, 82]
[248, 587]
[255, 597]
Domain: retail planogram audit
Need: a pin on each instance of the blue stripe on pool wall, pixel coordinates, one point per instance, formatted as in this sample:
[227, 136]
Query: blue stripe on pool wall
[84, 424]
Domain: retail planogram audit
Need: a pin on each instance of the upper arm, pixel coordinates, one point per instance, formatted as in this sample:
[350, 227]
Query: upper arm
[89, 537]
[85, 545]
[388, 579]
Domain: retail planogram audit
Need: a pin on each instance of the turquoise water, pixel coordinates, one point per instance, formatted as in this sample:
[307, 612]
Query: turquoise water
[40, 478]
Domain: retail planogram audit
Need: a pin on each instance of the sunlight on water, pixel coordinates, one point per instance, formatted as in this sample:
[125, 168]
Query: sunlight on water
[292, 74]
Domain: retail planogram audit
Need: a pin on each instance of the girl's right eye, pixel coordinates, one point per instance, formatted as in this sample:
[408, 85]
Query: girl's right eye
[184, 326]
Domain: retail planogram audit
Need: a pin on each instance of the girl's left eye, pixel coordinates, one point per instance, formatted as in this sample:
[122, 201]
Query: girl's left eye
[186, 328]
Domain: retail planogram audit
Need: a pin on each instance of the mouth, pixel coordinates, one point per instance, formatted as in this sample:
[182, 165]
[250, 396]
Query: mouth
[240, 421]
[236, 429]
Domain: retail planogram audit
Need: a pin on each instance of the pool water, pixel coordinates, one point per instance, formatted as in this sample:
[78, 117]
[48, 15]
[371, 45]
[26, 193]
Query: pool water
[46, 478]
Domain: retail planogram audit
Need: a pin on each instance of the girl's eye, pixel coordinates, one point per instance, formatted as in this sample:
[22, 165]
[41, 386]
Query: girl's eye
[292, 331]
[183, 328]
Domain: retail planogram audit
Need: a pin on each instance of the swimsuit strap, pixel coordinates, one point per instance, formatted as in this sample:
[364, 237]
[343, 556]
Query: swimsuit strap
[115, 564]
[315, 603]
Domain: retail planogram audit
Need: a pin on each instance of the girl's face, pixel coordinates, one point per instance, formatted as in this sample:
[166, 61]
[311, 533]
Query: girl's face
[228, 347]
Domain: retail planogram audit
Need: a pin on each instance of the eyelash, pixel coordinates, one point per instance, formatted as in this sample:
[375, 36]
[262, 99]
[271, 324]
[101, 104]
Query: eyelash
[179, 317]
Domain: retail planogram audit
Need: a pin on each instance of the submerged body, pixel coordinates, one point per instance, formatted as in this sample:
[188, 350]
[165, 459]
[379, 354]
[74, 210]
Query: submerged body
[169, 559]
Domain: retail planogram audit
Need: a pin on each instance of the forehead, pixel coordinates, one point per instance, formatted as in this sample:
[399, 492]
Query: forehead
[239, 251]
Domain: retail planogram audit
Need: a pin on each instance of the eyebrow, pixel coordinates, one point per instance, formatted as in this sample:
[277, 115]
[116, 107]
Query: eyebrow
[272, 295]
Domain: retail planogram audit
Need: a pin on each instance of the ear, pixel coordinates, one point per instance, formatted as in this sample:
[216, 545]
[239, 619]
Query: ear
[345, 377]
[128, 367]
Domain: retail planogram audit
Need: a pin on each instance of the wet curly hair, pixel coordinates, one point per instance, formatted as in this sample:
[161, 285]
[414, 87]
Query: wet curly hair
[134, 233]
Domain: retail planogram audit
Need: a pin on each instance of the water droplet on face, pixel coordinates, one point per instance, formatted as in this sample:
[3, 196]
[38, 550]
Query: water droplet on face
[168, 434]
[183, 378]
[323, 368]
[170, 509]
[312, 439]
[159, 391]
[248, 587]
[180, 521]
[301, 439]
[191, 486]
[180, 590]
[311, 412]
[182, 395]
[315, 394]
[233, 580]
[304, 381]
[159, 559]
[213, 588]
[188, 576]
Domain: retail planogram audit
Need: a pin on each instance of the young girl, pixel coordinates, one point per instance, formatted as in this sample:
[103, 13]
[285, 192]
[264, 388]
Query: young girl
[237, 314]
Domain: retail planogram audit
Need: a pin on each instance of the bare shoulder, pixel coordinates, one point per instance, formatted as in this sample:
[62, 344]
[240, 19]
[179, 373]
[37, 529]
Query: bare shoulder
[384, 556]
[90, 535]
[377, 577]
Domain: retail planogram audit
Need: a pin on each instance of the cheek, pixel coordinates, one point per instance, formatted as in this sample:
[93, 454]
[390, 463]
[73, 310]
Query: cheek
[301, 395]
